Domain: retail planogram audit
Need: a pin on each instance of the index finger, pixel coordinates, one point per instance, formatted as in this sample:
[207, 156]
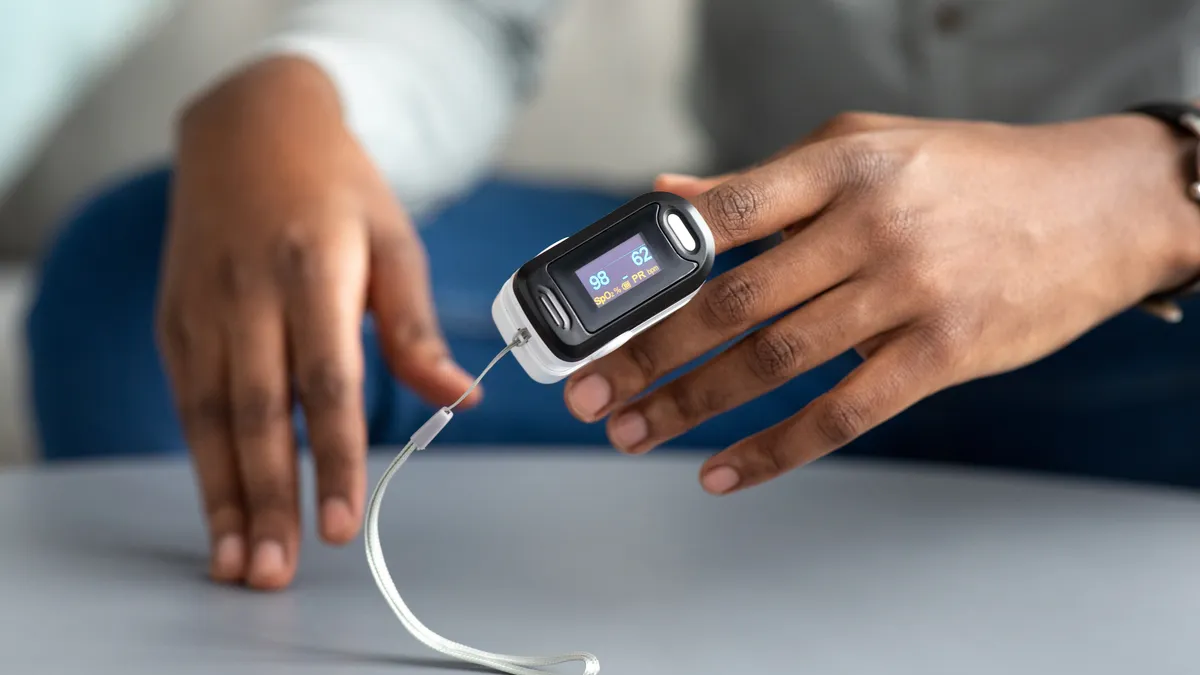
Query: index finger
[761, 201]
[409, 335]
[323, 313]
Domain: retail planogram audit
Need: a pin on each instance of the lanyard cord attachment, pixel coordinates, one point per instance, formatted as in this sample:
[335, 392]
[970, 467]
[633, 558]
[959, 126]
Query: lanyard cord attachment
[515, 665]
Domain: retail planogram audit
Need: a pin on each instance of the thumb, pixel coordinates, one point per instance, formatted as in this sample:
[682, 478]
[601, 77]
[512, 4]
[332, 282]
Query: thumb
[688, 187]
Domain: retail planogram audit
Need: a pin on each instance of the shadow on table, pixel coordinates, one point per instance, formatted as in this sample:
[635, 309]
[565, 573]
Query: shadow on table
[121, 555]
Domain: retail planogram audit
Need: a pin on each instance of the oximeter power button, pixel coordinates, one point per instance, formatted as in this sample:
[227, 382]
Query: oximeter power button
[553, 310]
[681, 232]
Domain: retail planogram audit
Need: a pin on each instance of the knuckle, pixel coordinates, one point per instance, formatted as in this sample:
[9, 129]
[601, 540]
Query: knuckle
[769, 458]
[234, 276]
[694, 404]
[735, 205]
[412, 330]
[398, 246]
[777, 459]
[942, 343]
[731, 301]
[846, 122]
[325, 386]
[930, 285]
[896, 228]
[258, 409]
[778, 353]
[841, 420]
[294, 256]
[337, 458]
[335, 453]
[208, 412]
[864, 161]
[223, 508]
[642, 359]
[174, 335]
[268, 493]
[858, 311]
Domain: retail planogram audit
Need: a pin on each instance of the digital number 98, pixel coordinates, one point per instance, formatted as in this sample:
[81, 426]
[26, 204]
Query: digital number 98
[599, 279]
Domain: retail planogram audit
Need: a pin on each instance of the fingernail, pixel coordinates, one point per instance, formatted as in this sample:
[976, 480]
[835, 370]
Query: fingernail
[268, 562]
[720, 480]
[336, 520]
[589, 396]
[628, 430]
[228, 557]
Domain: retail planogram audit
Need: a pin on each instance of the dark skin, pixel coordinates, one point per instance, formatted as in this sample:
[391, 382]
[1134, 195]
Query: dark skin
[941, 251]
[282, 234]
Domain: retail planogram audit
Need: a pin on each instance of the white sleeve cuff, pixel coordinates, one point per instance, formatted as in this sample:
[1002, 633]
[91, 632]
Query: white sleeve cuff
[428, 86]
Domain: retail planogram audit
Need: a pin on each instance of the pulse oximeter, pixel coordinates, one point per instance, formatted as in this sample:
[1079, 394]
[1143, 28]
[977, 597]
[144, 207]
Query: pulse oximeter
[588, 294]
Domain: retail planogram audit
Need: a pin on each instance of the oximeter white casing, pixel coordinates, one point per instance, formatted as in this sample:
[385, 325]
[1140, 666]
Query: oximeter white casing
[586, 295]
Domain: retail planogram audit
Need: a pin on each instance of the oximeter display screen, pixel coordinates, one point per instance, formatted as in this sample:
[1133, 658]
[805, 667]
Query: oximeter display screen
[618, 271]
[611, 272]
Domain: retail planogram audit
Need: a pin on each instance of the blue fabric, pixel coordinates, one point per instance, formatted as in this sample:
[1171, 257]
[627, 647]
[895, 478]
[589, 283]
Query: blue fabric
[1121, 402]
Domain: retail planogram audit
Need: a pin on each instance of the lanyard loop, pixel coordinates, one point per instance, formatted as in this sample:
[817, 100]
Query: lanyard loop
[505, 663]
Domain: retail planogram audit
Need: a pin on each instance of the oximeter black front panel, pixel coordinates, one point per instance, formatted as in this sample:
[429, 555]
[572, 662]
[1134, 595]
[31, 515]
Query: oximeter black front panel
[615, 274]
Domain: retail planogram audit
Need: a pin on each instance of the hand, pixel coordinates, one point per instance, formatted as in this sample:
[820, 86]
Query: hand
[281, 233]
[940, 251]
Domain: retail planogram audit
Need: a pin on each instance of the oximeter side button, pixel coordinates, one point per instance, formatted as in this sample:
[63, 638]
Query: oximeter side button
[553, 311]
[681, 232]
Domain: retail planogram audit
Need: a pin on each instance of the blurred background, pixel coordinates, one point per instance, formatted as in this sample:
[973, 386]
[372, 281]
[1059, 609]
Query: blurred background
[91, 87]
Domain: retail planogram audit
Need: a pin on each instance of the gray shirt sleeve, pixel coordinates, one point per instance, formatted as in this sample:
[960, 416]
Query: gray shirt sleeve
[429, 86]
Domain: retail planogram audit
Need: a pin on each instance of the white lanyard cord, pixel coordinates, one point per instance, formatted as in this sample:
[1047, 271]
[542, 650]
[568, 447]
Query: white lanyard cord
[516, 665]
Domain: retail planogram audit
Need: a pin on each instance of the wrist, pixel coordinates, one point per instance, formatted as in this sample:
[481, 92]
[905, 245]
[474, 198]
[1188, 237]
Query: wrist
[1160, 168]
[275, 89]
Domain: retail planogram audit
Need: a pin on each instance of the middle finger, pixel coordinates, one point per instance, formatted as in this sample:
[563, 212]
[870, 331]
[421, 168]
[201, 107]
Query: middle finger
[324, 317]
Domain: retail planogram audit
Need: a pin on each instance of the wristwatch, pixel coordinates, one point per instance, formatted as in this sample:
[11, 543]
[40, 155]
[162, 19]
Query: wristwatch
[1184, 119]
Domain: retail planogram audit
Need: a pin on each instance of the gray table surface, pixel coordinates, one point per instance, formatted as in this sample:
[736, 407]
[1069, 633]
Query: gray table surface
[845, 567]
